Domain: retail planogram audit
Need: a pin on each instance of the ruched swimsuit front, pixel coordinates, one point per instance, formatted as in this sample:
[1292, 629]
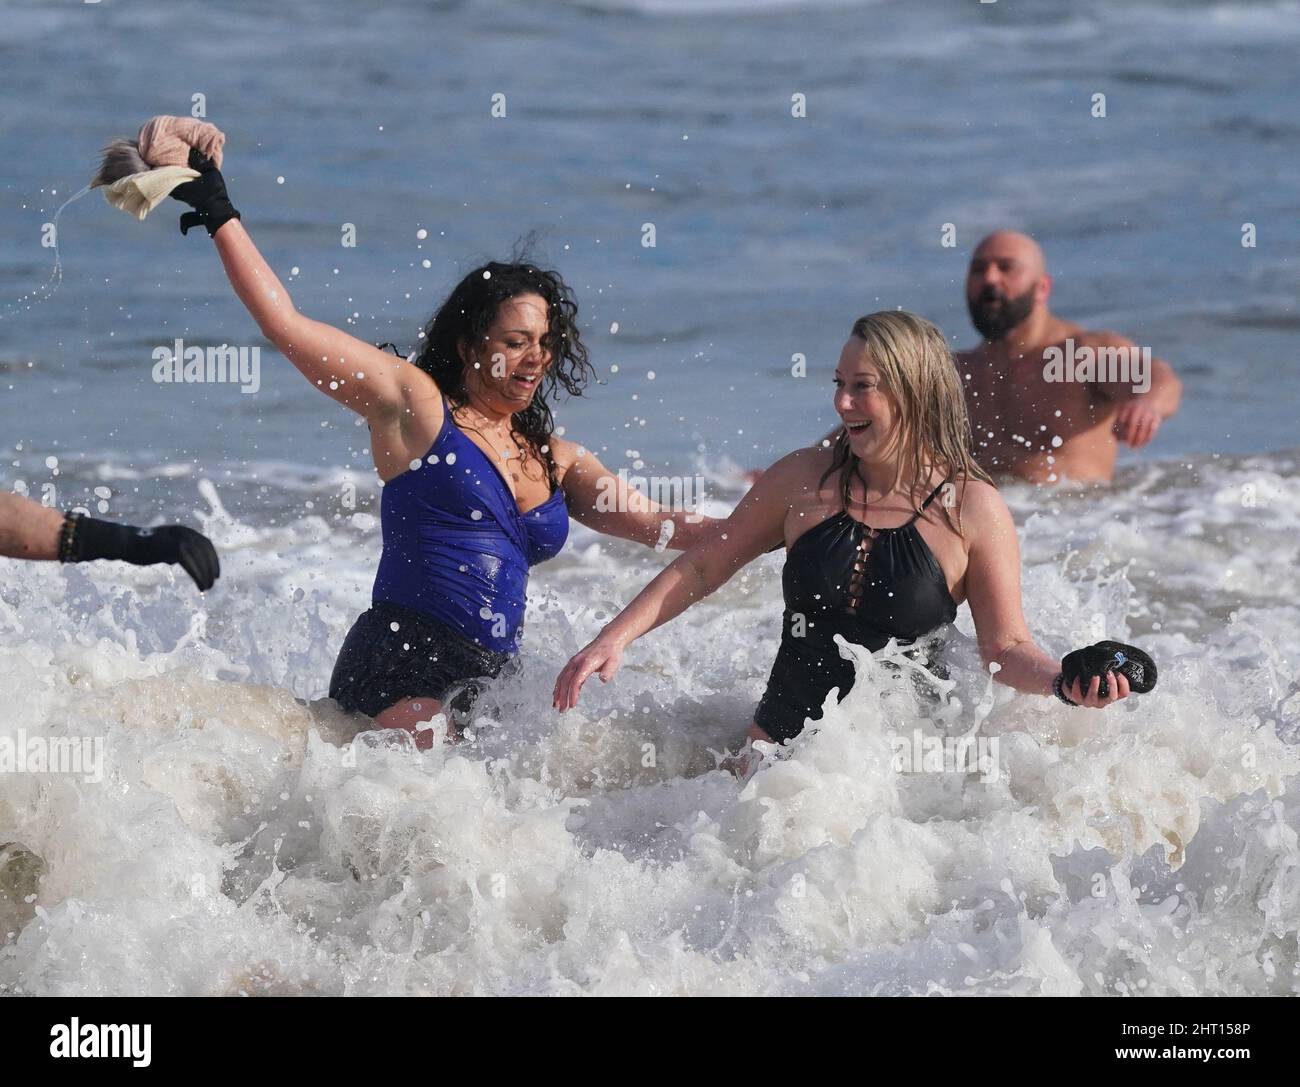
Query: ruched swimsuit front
[452, 578]
[867, 585]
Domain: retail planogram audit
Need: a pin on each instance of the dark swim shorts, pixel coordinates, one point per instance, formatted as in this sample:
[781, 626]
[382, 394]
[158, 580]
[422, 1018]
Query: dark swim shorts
[423, 658]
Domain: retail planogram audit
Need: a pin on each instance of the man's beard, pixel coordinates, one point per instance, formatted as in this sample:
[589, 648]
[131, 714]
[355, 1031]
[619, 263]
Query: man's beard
[994, 314]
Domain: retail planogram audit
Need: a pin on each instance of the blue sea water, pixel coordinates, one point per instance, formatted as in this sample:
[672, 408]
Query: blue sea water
[772, 232]
[218, 854]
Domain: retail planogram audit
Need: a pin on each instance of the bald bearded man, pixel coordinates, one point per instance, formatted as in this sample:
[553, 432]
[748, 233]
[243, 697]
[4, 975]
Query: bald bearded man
[1048, 399]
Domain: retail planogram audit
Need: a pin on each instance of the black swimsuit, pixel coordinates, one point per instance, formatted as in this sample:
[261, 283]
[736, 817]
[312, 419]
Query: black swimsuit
[868, 585]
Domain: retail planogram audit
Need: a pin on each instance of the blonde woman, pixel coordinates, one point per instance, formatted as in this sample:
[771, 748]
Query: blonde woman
[870, 554]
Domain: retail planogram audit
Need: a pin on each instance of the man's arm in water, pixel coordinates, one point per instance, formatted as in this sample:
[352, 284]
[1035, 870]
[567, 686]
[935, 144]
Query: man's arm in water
[28, 530]
[1140, 413]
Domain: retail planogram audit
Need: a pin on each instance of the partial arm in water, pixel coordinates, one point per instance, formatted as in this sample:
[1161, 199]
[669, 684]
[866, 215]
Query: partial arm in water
[993, 593]
[610, 504]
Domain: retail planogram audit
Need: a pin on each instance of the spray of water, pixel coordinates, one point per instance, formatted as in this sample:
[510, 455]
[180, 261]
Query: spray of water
[46, 290]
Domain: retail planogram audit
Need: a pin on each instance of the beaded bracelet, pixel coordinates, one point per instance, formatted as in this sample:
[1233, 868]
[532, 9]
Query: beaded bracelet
[1057, 684]
[68, 536]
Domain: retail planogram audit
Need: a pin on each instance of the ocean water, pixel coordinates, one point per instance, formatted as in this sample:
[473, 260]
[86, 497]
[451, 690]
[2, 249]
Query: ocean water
[243, 839]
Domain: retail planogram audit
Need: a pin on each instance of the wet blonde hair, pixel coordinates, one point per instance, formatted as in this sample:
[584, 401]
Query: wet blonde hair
[934, 430]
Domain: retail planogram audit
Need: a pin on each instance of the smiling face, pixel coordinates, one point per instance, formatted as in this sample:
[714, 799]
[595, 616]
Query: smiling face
[865, 406]
[505, 369]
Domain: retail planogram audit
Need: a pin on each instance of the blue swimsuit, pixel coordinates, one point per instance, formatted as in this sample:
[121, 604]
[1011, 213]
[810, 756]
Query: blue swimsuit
[456, 547]
[452, 578]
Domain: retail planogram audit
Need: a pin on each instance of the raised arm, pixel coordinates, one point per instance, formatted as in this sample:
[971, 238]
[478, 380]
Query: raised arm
[356, 374]
[610, 503]
[755, 526]
[993, 593]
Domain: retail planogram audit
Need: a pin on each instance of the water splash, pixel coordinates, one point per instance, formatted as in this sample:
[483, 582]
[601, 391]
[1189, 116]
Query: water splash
[46, 290]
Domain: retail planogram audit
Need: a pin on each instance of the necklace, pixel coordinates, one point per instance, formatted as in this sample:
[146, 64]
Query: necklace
[495, 429]
[481, 419]
[512, 457]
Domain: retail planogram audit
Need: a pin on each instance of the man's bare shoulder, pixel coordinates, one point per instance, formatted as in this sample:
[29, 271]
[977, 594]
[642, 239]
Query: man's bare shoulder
[1101, 338]
[1085, 337]
[1061, 330]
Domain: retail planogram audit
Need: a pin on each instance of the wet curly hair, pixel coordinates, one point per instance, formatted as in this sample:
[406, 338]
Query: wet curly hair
[471, 309]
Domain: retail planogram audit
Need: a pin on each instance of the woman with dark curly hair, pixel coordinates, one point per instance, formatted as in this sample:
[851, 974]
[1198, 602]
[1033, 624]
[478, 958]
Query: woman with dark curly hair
[477, 487]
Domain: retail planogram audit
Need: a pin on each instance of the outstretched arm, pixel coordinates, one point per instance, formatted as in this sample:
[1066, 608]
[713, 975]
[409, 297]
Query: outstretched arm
[611, 504]
[755, 525]
[28, 530]
[993, 593]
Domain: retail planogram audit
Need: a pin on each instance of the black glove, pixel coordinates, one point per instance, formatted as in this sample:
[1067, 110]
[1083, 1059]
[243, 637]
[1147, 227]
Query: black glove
[85, 539]
[206, 194]
[1103, 657]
